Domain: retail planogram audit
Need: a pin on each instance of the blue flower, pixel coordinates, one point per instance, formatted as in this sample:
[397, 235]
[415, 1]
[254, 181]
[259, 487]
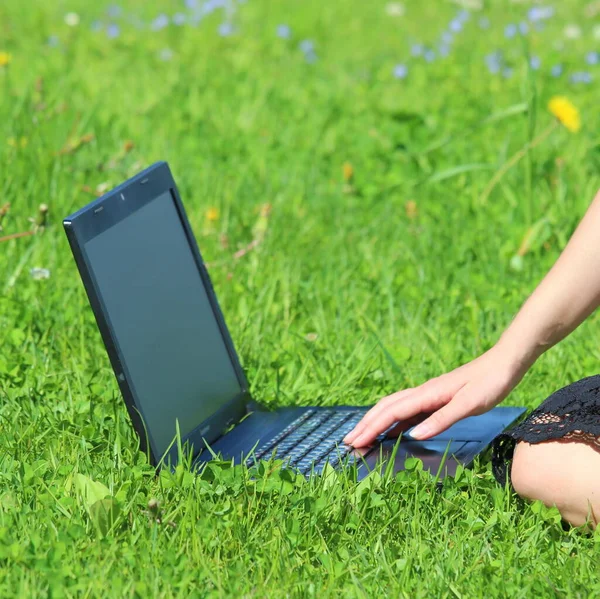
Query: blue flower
[191, 3]
[179, 19]
[456, 25]
[53, 41]
[96, 25]
[507, 72]
[523, 28]
[592, 58]
[166, 54]
[581, 77]
[226, 29]
[535, 62]
[429, 55]
[556, 70]
[400, 71]
[463, 15]
[444, 50]
[113, 31]
[416, 49]
[307, 46]
[114, 11]
[494, 62]
[510, 30]
[447, 37]
[484, 23]
[540, 13]
[311, 56]
[284, 31]
[160, 22]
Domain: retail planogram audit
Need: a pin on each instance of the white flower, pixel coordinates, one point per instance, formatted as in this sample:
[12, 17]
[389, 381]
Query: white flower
[572, 32]
[596, 32]
[395, 9]
[72, 19]
[39, 273]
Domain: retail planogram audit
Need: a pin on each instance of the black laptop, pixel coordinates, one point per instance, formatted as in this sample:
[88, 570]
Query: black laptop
[175, 362]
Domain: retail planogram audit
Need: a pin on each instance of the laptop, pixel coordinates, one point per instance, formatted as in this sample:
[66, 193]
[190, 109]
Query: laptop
[176, 365]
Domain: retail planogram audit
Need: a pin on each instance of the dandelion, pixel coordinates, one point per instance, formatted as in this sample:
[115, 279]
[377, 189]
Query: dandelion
[311, 337]
[581, 77]
[212, 214]
[72, 19]
[284, 32]
[5, 59]
[113, 31]
[411, 209]
[565, 112]
[38, 274]
[400, 71]
[556, 70]
[347, 172]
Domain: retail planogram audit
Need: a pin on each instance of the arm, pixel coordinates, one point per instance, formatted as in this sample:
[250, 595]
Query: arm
[565, 297]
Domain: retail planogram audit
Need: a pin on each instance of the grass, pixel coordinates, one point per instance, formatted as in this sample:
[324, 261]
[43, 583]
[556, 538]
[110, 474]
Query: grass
[407, 247]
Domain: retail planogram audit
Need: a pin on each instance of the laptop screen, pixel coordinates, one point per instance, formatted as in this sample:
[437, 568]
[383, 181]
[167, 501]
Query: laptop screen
[165, 328]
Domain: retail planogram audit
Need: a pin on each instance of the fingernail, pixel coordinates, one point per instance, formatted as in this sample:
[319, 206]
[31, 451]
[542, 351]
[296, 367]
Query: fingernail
[420, 431]
[356, 442]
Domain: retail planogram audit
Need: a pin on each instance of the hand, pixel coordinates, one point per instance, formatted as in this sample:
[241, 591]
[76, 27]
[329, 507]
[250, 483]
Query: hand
[471, 389]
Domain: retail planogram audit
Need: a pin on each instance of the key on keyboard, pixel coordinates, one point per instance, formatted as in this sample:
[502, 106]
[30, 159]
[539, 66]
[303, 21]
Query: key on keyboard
[312, 439]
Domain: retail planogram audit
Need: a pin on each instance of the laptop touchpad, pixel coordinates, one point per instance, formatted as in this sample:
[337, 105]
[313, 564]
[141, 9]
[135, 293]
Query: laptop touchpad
[430, 453]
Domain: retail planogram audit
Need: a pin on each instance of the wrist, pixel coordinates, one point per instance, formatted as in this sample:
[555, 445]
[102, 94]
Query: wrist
[517, 352]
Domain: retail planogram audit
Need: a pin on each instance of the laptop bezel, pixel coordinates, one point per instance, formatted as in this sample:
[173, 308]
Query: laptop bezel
[98, 216]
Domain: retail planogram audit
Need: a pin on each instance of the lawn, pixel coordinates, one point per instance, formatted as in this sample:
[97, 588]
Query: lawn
[345, 169]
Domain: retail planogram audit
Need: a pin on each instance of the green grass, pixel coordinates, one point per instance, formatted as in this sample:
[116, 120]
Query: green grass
[245, 121]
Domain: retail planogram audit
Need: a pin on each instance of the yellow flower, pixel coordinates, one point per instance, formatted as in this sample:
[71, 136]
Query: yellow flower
[347, 171]
[212, 214]
[565, 112]
[5, 58]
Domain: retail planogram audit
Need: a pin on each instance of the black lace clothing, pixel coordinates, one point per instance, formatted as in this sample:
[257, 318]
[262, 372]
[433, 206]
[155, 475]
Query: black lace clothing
[571, 413]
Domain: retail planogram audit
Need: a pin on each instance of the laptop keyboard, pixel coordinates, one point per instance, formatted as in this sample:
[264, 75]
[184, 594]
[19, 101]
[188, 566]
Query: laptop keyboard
[312, 440]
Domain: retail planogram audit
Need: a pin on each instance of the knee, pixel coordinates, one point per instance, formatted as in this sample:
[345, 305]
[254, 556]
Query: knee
[559, 475]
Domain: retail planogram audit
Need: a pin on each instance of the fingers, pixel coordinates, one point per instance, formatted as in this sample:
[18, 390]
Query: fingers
[403, 426]
[372, 414]
[426, 400]
[466, 402]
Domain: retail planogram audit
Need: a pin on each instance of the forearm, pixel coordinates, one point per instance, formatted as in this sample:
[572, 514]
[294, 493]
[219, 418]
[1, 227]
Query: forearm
[566, 296]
